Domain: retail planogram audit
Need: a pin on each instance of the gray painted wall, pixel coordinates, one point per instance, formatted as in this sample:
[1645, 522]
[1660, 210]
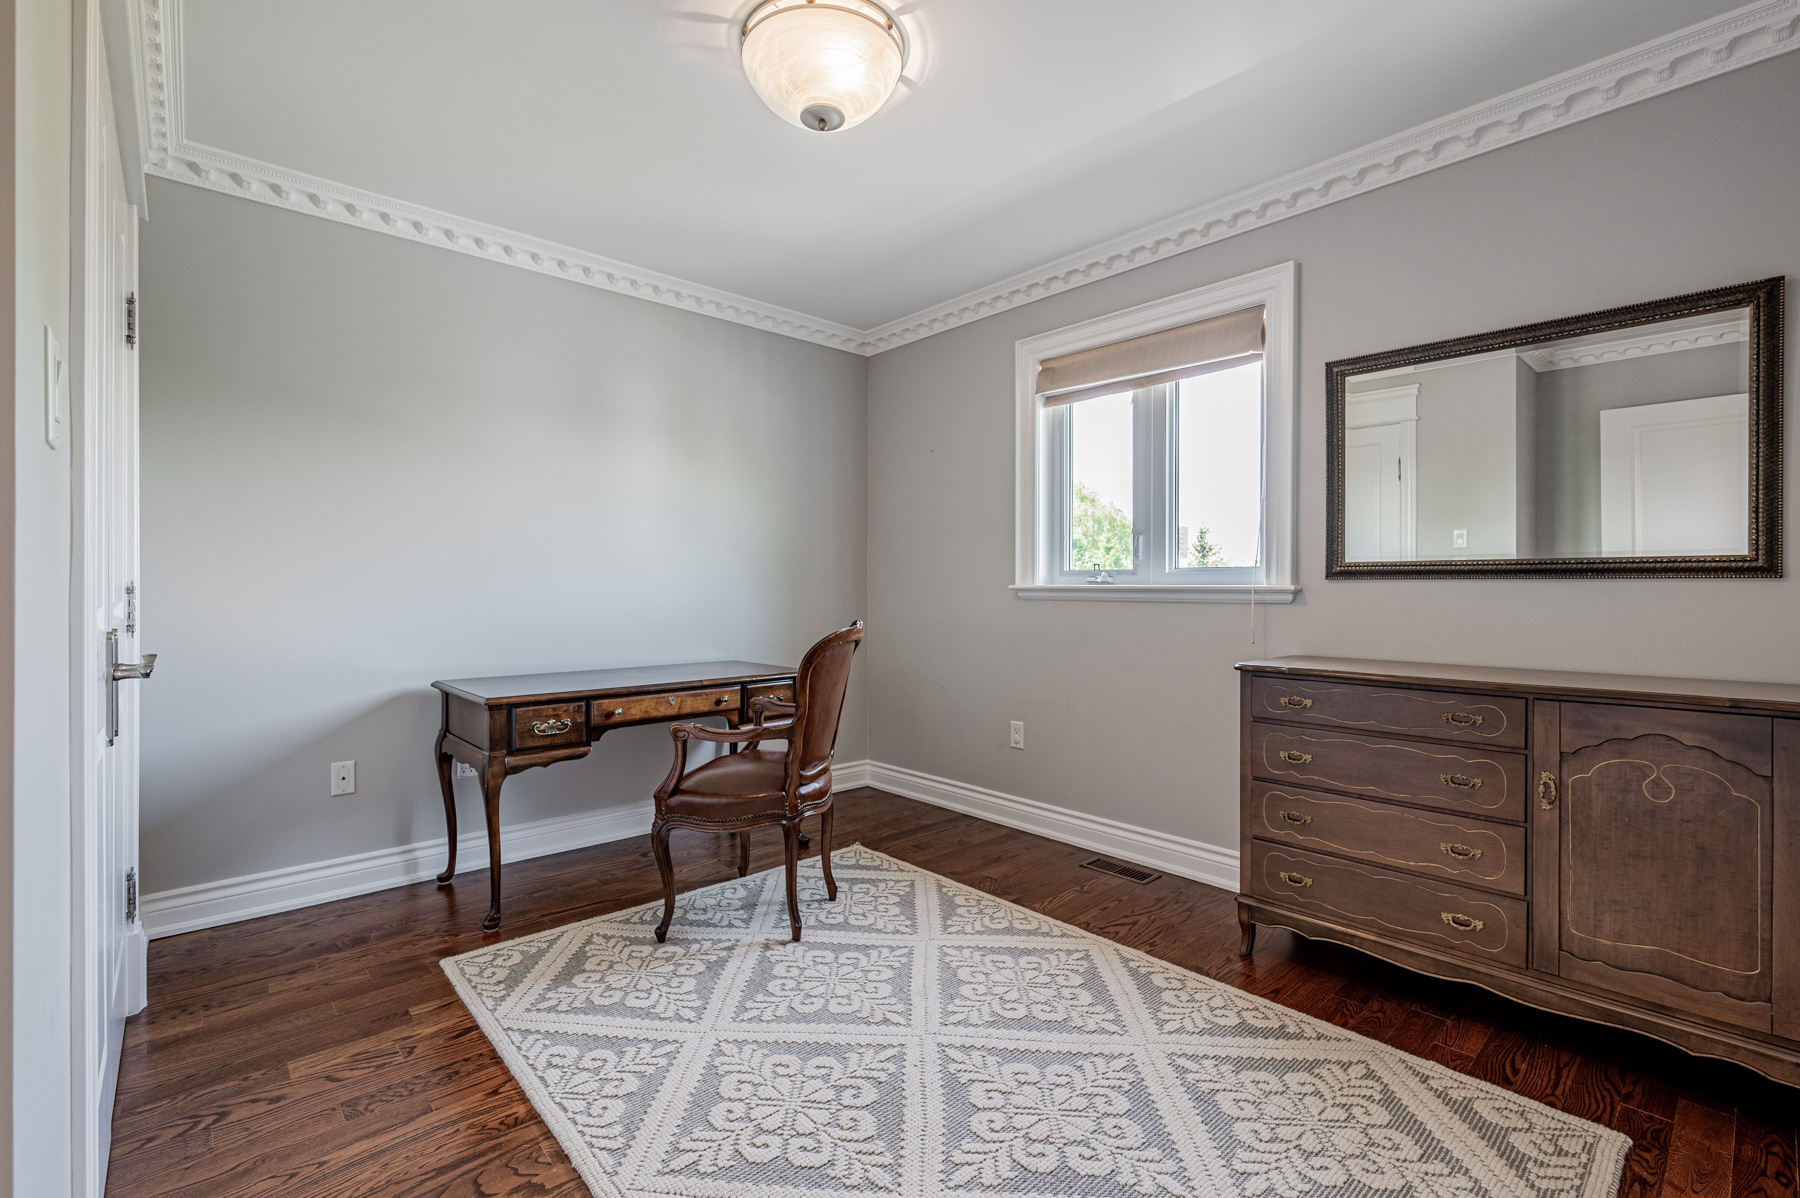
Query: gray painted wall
[369, 464]
[1131, 709]
[1569, 406]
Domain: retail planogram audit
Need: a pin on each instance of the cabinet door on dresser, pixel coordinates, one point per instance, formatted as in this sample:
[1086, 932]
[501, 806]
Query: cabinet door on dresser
[1653, 837]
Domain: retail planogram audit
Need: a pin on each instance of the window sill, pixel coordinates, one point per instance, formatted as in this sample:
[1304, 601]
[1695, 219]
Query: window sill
[1129, 593]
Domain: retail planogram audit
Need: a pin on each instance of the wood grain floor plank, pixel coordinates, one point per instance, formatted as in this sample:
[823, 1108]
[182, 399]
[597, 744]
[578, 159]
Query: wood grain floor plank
[1702, 1153]
[1765, 1163]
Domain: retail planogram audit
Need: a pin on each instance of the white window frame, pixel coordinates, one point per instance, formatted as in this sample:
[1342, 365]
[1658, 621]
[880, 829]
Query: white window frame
[1039, 516]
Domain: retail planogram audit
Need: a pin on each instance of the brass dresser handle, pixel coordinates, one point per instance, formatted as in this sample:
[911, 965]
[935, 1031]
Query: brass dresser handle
[1296, 817]
[618, 711]
[1462, 719]
[1295, 879]
[1463, 923]
[1293, 757]
[1460, 781]
[671, 700]
[1547, 791]
[1461, 852]
[550, 727]
[1295, 702]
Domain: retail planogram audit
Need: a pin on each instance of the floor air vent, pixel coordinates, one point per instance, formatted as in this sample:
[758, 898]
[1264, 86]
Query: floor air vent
[1131, 873]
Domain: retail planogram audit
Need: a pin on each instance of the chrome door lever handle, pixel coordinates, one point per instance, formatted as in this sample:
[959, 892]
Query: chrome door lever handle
[127, 672]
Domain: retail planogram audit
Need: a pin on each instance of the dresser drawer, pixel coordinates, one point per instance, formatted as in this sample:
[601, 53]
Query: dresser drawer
[1435, 915]
[1464, 778]
[1457, 849]
[1383, 710]
[716, 701]
[549, 725]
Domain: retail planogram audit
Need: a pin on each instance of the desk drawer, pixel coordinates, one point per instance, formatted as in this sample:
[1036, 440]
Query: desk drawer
[1436, 915]
[1465, 778]
[672, 705]
[1384, 710]
[1455, 848]
[783, 691]
[549, 725]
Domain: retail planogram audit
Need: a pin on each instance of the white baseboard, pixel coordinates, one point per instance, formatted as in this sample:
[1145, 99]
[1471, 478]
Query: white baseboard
[1209, 863]
[212, 904]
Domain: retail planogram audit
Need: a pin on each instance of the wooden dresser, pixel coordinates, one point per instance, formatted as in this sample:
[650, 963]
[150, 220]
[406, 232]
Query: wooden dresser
[1616, 848]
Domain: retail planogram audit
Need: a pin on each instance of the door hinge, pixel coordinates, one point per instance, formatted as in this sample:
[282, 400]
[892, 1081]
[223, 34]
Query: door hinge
[131, 609]
[131, 895]
[131, 318]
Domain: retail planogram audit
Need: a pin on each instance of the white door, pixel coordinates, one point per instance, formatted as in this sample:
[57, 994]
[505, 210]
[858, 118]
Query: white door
[111, 948]
[1378, 508]
[1675, 477]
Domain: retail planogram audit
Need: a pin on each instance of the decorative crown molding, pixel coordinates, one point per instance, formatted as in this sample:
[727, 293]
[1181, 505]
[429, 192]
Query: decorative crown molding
[173, 156]
[1737, 39]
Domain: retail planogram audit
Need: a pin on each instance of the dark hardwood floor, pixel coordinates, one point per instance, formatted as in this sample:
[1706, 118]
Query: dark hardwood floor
[322, 1052]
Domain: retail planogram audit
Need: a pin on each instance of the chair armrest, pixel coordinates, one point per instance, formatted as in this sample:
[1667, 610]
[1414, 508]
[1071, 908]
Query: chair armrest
[727, 736]
[763, 705]
[682, 733]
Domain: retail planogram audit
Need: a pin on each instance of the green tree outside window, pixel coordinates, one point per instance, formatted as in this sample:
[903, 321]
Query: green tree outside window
[1102, 534]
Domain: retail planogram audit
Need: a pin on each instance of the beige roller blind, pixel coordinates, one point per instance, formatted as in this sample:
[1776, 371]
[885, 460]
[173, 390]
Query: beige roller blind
[1216, 343]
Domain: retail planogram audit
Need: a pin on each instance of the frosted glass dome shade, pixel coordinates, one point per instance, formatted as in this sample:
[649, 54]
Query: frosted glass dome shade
[822, 64]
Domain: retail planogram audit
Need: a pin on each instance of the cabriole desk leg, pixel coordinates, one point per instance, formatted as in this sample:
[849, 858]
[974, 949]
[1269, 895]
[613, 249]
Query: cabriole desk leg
[446, 768]
[492, 775]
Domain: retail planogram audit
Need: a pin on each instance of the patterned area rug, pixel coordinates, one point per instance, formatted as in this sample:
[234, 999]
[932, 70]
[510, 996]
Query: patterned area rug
[925, 1038]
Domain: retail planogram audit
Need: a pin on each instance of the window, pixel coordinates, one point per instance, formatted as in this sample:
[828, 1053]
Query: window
[1156, 450]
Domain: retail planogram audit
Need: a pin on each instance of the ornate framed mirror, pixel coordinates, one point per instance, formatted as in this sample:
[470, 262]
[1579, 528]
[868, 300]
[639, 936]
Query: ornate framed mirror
[1639, 442]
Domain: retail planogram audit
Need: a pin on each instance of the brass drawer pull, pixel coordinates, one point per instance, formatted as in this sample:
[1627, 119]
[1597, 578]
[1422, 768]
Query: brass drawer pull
[1296, 702]
[1547, 790]
[1462, 719]
[1460, 781]
[550, 727]
[618, 711]
[1296, 879]
[671, 700]
[1461, 852]
[1293, 757]
[1463, 923]
[1296, 817]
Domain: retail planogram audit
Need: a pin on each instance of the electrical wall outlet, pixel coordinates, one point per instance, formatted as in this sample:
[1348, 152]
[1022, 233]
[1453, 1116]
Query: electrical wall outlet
[464, 770]
[1018, 734]
[343, 777]
[1459, 538]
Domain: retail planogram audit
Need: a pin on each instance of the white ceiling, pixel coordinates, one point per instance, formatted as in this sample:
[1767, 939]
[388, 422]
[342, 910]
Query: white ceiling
[1025, 130]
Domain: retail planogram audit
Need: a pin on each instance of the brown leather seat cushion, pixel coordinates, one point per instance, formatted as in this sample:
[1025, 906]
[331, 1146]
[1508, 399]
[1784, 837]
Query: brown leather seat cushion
[737, 784]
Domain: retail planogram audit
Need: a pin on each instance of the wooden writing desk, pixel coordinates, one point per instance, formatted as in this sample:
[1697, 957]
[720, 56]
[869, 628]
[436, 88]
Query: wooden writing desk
[499, 726]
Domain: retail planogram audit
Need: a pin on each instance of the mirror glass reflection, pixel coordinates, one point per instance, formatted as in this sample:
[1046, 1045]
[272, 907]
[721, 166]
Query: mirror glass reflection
[1625, 443]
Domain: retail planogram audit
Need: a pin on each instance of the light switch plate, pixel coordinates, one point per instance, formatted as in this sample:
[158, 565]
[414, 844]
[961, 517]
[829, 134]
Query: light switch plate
[56, 390]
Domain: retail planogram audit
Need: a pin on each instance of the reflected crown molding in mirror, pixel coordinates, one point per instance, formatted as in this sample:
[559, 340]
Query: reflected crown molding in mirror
[1639, 442]
[1664, 338]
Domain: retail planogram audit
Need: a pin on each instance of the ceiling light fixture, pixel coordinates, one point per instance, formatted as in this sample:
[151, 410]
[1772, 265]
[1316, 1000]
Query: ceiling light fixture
[823, 66]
